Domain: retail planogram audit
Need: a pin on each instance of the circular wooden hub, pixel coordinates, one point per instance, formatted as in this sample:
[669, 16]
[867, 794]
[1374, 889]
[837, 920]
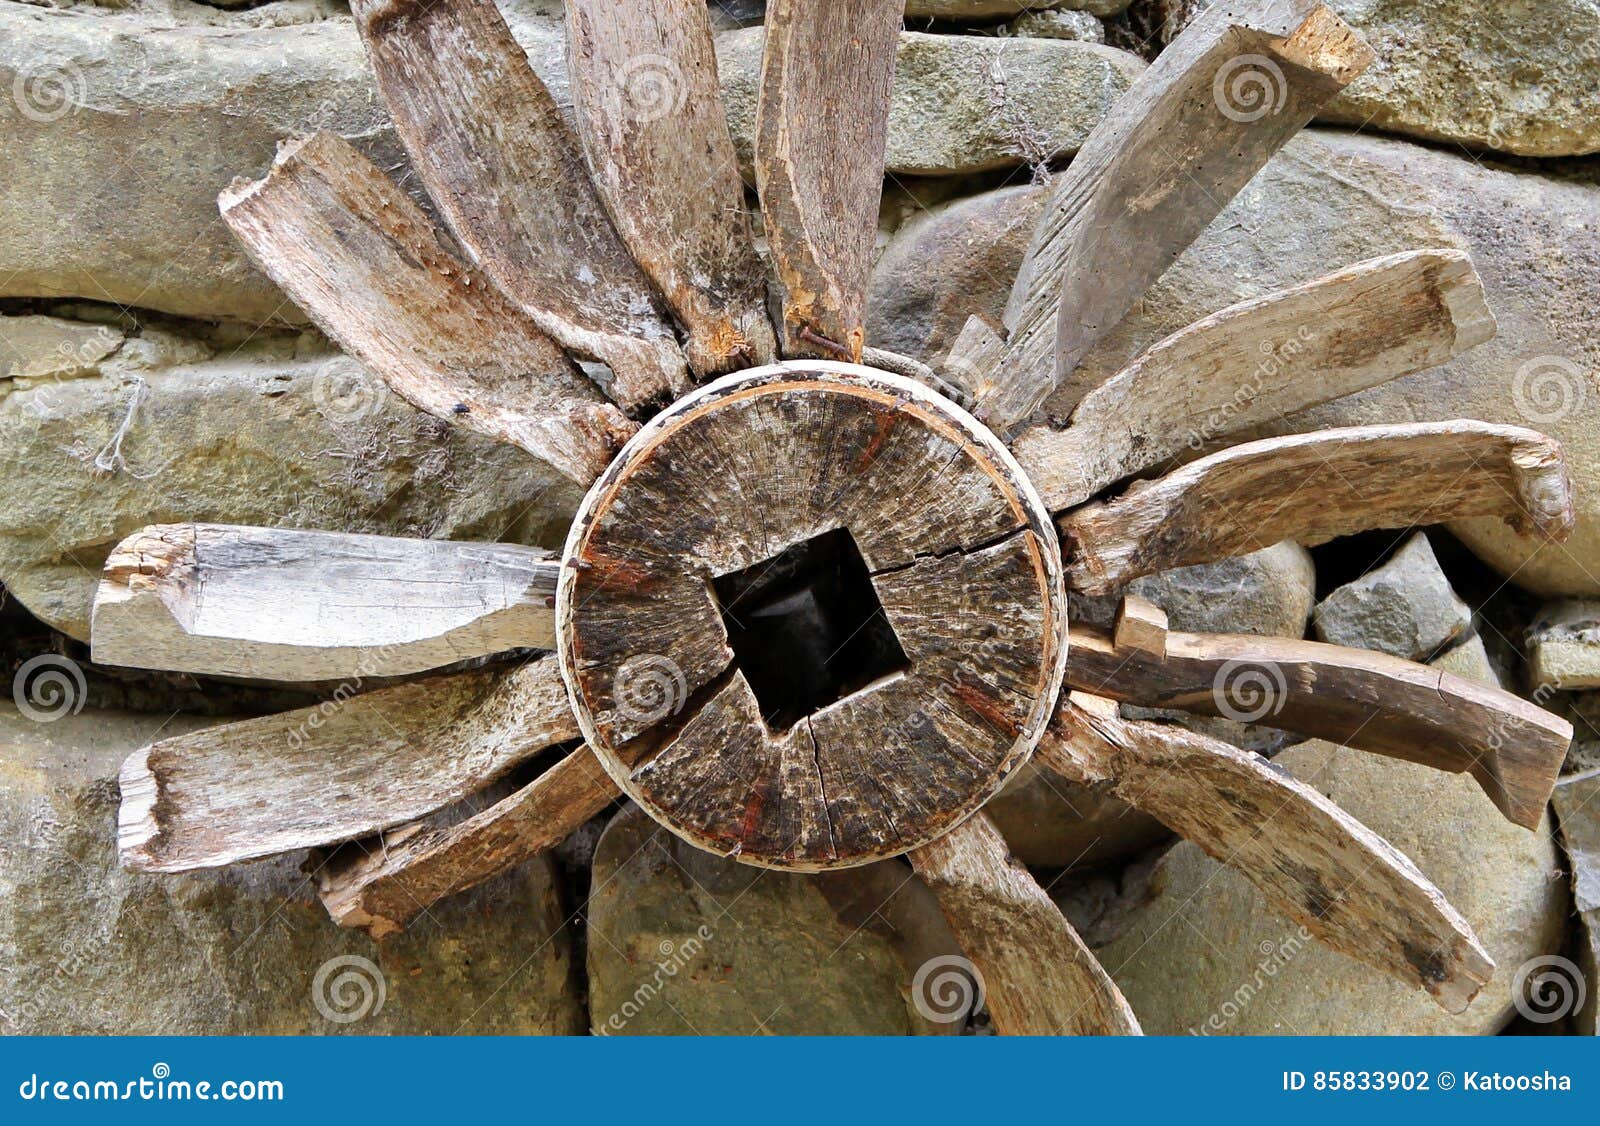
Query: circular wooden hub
[812, 616]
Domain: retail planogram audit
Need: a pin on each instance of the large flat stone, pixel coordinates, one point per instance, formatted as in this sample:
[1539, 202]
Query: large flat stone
[276, 430]
[682, 942]
[962, 103]
[89, 948]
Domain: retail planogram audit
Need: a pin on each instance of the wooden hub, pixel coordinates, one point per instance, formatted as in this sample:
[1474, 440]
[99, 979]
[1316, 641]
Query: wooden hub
[812, 616]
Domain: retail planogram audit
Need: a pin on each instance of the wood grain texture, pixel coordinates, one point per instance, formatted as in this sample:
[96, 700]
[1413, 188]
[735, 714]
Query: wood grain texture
[1315, 487]
[342, 769]
[821, 128]
[1366, 700]
[1318, 865]
[958, 554]
[365, 263]
[1240, 80]
[1258, 361]
[507, 173]
[382, 888]
[649, 112]
[1038, 976]
[280, 604]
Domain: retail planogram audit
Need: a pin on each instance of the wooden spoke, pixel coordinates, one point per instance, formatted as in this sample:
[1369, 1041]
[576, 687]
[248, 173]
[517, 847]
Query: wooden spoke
[278, 604]
[1259, 360]
[821, 127]
[507, 173]
[1224, 96]
[1314, 487]
[343, 769]
[644, 79]
[382, 889]
[1038, 976]
[1314, 862]
[1362, 699]
[365, 263]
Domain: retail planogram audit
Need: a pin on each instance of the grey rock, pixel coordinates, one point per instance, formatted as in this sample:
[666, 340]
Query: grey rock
[684, 942]
[946, 263]
[1582, 710]
[89, 948]
[1576, 802]
[962, 103]
[1564, 645]
[1483, 73]
[1327, 200]
[1487, 74]
[1205, 953]
[1058, 24]
[277, 430]
[1267, 592]
[1049, 822]
[126, 125]
[1405, 608]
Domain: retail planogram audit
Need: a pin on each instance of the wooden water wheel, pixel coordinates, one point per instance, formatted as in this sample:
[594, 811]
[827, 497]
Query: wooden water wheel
[812, 612]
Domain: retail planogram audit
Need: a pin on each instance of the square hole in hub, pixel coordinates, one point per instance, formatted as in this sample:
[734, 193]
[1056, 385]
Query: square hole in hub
[806, 627]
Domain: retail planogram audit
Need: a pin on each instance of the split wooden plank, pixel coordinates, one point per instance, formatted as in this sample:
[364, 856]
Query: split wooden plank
[649, 112]
[280, 604]
[1318, 865]
[383, 889]
[1039, 977]
[1225, 95]
[1315, 487]
[342, 769]
[821, 128]
[507, 173]
[366, 264]
[1259, 360]
[1370, 701]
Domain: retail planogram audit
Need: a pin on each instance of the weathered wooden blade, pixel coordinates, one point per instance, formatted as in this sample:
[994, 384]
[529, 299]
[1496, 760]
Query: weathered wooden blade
[1224, 96]
[1315, 487]
[1318, 865]
[383, 889]
[644, 81]
[1370, 701]
[342, 769]
[821, 126]
[366, 264]
[1039, 977]
[505, 170]
[1259, 360]
[279, 604]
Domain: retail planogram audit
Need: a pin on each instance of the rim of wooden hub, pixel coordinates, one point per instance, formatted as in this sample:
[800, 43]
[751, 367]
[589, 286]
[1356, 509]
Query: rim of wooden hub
[812, 616]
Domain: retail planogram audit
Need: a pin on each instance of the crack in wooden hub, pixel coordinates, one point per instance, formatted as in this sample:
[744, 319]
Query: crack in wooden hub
[812, 616]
